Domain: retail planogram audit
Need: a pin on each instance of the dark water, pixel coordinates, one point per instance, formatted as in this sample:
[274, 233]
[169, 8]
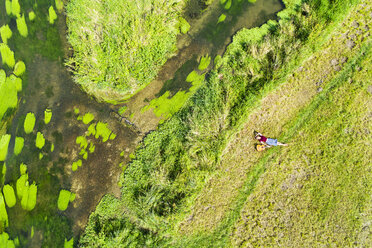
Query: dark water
[47, 84]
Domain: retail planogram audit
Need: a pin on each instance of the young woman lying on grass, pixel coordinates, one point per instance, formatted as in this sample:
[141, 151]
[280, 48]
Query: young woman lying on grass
[268, 142]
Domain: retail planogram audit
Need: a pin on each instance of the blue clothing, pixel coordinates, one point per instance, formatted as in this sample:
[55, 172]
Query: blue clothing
[272, 142]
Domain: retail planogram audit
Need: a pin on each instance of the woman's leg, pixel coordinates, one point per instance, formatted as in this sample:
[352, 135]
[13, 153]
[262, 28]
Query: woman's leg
[281, 144]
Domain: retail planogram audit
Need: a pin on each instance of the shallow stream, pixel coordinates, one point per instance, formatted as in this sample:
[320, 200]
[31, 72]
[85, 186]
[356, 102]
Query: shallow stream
[48, 84]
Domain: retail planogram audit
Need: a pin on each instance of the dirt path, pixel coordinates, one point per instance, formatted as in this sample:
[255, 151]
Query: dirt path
[273, 116]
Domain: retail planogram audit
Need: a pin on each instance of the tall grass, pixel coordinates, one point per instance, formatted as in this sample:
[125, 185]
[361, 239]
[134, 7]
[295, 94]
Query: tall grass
[120, 45]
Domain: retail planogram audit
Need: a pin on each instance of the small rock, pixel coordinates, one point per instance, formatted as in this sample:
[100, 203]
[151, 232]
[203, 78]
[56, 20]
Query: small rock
[369, 89]
[337, 68]
[366, 28]
[320, 89]
[350, 80]
[301, 68]
[343, 60]
[334, 62]
[355, 24]
[350, 44]
[358, 68]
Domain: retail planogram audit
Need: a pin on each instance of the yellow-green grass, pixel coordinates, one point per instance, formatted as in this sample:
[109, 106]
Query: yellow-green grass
[318, 191]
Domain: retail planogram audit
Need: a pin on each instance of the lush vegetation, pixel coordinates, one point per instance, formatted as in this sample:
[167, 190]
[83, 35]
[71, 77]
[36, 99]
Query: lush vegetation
[119, 46]
[173, 163]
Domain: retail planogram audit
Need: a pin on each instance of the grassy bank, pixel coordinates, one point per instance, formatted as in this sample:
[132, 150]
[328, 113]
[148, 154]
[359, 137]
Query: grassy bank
[174, 162]
[119, 46]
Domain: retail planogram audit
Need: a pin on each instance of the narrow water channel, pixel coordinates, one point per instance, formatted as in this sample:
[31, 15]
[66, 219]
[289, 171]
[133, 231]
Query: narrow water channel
[48, 84]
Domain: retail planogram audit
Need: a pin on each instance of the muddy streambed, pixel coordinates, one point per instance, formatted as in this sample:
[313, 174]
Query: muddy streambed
[49, 85]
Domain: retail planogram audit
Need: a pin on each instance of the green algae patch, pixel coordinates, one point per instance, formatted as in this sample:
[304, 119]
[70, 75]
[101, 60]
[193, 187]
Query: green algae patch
[22, 26]
[9, 196]
[64, 198]
[29, 123]
[31, 15]
[4, 143]
[52, 148]
[29, 196]
[69, 244]
[204, 62]
[41, 156]
[165, 107]
[8, 95]
[3, 214]
[52, 15]
[5, 33]
[21, 184]
[76, 164]
[5, 241]
[184, 26]
[7, 55]
[82, 141]
[19, 68]
[102, 131]
[8, 7]
[85, 155]
[112, 136]
[87, 118]
[192, 77]
[91, 147]
[221, 18]
[47, 116]
[16, 8]
[18, 145]
[23, 169]
[92, 129]
[14, 82]
[76, 111]
[40, 140]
